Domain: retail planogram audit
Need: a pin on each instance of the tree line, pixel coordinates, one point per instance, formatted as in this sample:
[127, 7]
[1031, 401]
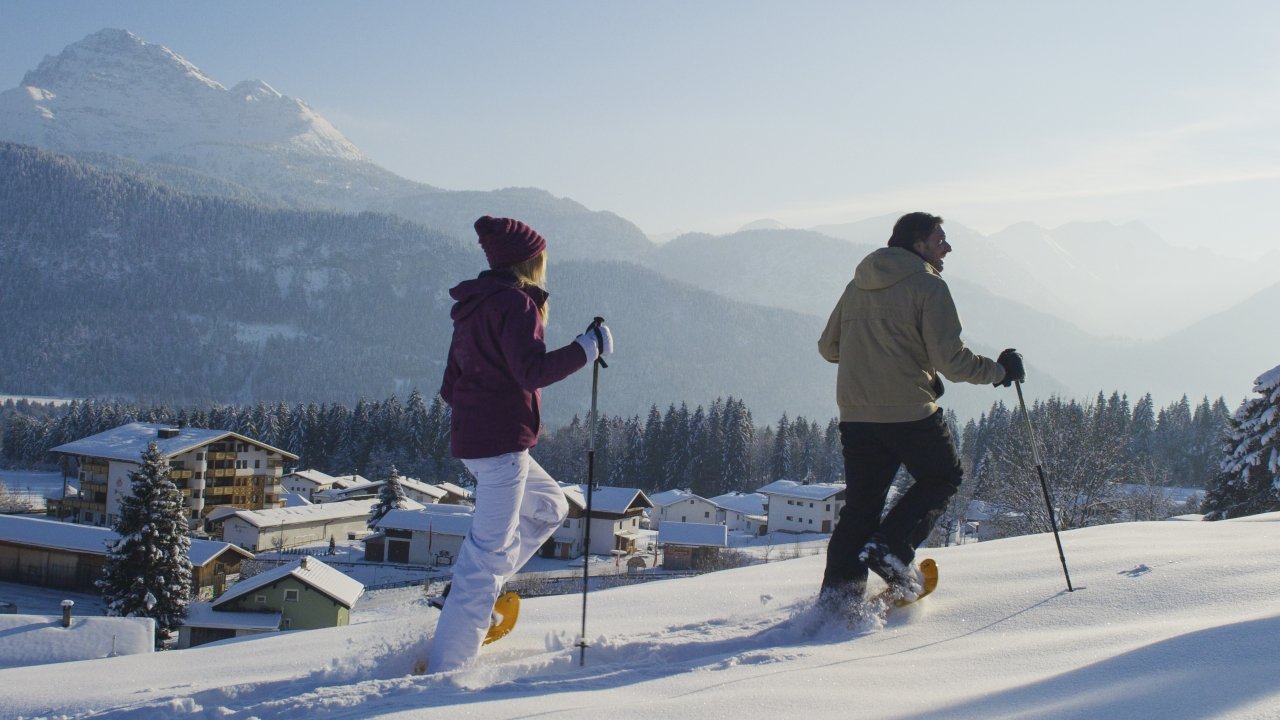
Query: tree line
[1099, 454]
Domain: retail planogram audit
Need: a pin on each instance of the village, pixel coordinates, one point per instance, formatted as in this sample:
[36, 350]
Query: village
[277, 550]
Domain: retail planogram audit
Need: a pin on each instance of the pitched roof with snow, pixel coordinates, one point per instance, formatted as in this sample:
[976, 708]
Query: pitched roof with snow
[308, 570]
[746, 503]
[671, 497]
[616, 500]
[573, 493]
[293, 499]
[127, 442]
[202, 614]
[302, 514]
[312, 476]
[418, 486]
[424, 520]
[456, 490]
[56, 535]
[345, 481]
[791, 488]
[693, 534]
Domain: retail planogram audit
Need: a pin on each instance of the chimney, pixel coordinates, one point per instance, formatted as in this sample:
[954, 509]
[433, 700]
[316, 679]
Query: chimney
[167, 433]
[66, 612]
[303, 563]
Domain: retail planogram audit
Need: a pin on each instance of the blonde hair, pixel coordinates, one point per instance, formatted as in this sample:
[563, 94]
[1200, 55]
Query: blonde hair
[534, 272]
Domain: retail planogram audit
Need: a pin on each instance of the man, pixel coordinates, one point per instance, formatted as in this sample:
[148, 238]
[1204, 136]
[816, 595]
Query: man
[893, 331]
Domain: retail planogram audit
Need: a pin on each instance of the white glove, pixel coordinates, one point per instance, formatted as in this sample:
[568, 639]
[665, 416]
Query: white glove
[589, 345]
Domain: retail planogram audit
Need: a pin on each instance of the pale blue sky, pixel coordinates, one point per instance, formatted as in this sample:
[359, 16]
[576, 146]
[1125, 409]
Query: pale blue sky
[690, 115]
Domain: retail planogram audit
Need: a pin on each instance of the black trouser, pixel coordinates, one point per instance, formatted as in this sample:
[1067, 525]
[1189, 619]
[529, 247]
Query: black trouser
[873, 452]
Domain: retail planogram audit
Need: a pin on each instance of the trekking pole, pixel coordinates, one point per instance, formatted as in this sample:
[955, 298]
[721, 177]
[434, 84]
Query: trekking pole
[591, 482]
[1044, 485]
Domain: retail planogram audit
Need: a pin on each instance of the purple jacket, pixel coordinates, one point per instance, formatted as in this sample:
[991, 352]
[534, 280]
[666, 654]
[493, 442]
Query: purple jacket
[497, 364]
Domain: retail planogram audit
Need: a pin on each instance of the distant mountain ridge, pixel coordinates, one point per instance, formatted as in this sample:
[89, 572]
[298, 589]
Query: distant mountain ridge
[707, 315]
[1111, 280]
[805, 271]
[117, 286]
[113, 94]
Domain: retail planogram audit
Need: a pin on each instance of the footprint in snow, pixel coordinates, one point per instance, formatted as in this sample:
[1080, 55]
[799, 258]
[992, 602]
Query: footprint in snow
[1136, 571]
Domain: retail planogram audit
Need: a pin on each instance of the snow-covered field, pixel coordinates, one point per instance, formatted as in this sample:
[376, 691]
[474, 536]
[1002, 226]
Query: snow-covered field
[1168, 620]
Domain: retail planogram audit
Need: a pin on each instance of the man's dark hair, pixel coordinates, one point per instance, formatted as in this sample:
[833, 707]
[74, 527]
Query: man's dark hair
[912, 227]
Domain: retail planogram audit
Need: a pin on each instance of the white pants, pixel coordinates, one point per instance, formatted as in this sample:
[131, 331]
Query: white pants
[518, 506]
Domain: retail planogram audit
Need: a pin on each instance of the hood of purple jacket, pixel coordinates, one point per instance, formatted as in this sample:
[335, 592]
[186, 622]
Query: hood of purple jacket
[497, 364]
[469, 295]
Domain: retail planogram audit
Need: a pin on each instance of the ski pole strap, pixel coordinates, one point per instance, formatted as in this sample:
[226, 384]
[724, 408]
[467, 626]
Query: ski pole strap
[595, 326]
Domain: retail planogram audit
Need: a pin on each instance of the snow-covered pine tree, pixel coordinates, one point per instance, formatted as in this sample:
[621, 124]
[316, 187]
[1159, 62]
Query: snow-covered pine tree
[1249, 479]
[148, 570]
[390, 497]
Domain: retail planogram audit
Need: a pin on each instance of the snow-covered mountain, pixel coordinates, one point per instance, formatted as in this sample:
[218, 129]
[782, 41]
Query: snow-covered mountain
[114, 100]
[86, 98]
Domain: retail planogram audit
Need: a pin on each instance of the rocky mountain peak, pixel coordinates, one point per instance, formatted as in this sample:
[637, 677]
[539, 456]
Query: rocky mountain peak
[113, 92]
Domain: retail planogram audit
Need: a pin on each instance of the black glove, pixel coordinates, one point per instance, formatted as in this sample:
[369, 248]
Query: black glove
[1011, 361]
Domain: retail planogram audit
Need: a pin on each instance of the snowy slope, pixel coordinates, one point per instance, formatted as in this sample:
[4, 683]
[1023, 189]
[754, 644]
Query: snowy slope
[1169, 620]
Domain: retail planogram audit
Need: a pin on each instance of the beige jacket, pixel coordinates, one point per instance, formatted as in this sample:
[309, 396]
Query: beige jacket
[894, 329]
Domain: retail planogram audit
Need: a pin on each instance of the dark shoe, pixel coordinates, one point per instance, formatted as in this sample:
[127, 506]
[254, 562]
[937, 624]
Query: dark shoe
[892, 569]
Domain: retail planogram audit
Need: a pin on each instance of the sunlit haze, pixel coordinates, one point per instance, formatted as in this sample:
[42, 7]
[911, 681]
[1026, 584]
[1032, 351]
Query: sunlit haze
[707, 116]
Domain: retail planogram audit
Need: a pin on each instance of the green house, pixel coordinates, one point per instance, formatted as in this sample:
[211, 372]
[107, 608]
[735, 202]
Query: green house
[307, 594]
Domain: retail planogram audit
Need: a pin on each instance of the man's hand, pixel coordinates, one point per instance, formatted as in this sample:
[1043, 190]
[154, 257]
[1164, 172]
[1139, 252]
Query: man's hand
[1011, 361]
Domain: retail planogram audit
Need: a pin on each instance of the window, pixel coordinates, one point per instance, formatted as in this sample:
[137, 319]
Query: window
[199, 457]
[291, 595]
[257, 464]
[706, 514]
[260, 599]
[828, 507]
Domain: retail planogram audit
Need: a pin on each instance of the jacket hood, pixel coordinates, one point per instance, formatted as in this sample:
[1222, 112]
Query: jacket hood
[887, 267]
[470, 294]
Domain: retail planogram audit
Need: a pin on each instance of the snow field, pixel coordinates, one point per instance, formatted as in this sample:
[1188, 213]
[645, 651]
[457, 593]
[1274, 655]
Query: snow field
[1168, 620]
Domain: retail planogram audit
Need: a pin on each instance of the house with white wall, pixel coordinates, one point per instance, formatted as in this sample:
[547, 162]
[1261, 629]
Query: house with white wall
[260, 530]
[681, 506]
[302, 595]
[615, 518]
[743, 512]
[306, 482]
[431, 535]
[690, 546]
[799, 507]
[422, 492]
[212, 469]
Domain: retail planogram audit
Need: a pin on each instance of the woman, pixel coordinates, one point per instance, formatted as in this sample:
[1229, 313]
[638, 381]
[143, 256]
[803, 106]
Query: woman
[497, 365]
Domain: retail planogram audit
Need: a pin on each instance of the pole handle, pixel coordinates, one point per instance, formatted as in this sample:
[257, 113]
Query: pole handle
[595, 326]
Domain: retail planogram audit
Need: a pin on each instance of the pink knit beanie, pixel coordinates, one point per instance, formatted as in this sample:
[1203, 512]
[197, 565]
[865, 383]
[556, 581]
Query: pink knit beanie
[507, 242]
